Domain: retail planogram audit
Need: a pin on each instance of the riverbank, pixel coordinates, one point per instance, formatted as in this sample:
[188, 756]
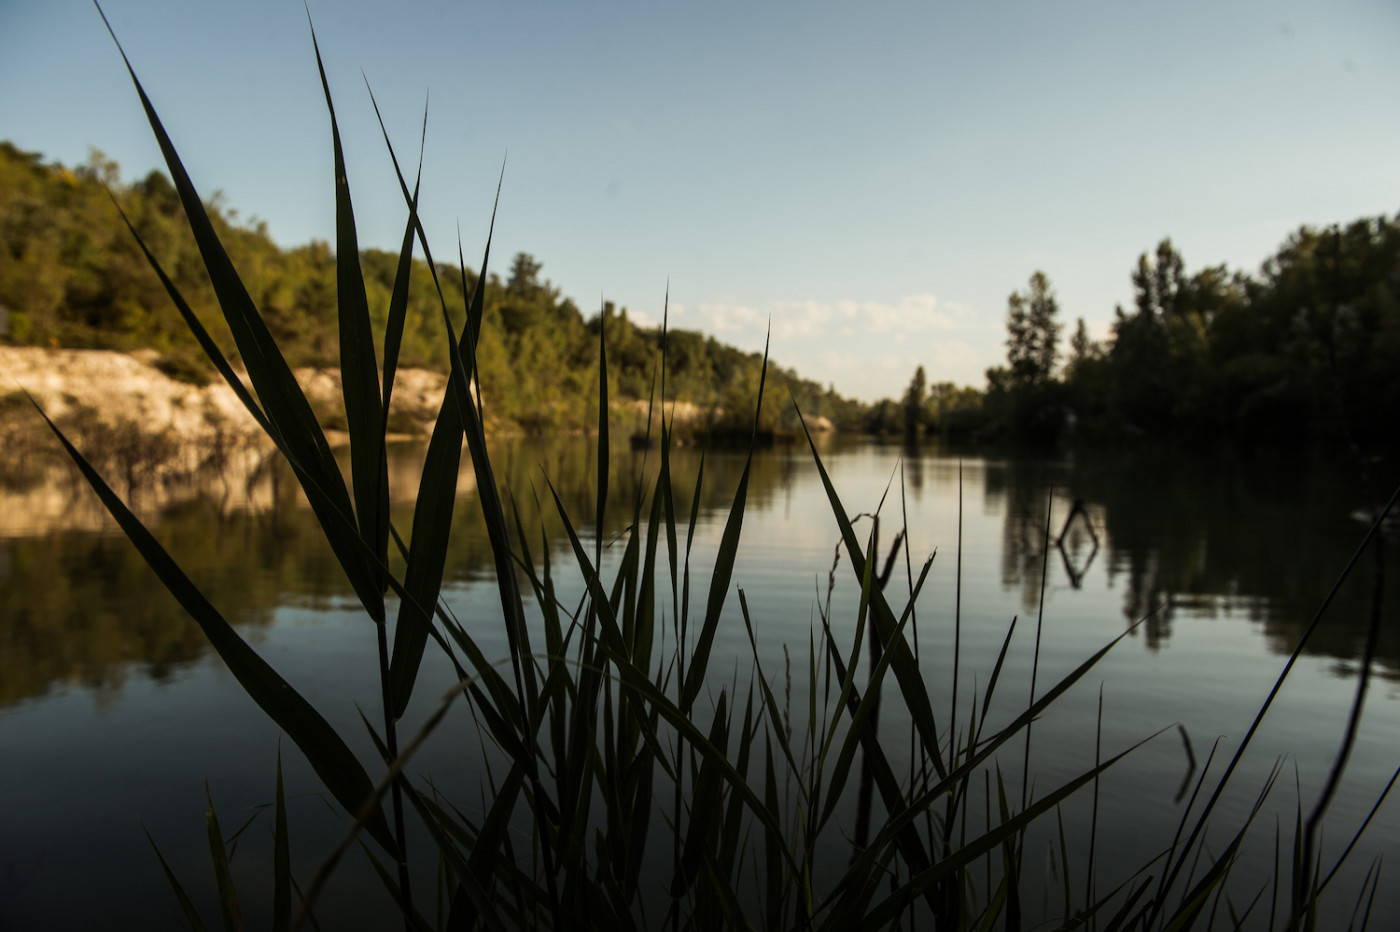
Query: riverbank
[147, 430]
[162, 439]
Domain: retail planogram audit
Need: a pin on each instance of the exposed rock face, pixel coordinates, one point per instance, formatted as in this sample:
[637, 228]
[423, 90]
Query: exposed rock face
[154, 439]
[147, 433]
[127, 390]
[120, 388]
[122, 400]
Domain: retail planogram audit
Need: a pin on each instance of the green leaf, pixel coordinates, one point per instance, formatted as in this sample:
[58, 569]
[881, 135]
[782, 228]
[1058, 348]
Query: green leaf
[427, 550]
[481, 862]
[186, 904]
[955, 862]
[497, 531]
[724, 563]
[598, 515]
[282, 400]
[770, 701]
[478, 898]
[328, 755]
[906, 669]
[705, 802]
[281, 859]
[901, 816]
[403, 273]
[391, 884]
[359, 370]
[228, 896]
[863, 708]
[776, 886]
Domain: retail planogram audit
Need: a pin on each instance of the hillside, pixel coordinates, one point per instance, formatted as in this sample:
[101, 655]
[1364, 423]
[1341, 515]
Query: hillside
[75, 278]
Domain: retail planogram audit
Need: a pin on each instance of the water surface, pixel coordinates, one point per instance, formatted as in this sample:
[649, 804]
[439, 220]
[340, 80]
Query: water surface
[113, 712]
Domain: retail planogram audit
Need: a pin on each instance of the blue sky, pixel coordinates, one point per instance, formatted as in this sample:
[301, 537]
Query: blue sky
[874, 177]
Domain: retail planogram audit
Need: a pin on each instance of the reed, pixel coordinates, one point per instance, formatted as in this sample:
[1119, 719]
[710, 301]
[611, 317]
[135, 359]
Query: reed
[629, 785]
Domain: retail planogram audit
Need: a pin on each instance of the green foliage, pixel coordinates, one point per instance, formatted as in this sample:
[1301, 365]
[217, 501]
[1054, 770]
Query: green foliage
[1032, 332]
[914, 414]
[1308, 348]
[74, 277]
[953, 410]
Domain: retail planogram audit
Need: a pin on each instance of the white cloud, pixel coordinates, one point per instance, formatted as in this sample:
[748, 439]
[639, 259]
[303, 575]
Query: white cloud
[868, 349]
[917, 313]
[885, 375]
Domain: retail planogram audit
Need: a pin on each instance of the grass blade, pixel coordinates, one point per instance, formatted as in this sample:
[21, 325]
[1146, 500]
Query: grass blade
[724, 564]
[186, 904]
[281, 859]
[906, 669]
[403, 273]
[949, 866]
[328, 755]
[359, 370]
[223, 877]
[1169, 877]
[282, 400]
[1356, 836]
[598, 515]
[427, 549]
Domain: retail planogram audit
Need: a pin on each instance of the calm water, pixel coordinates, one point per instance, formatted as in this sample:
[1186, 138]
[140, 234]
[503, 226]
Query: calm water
[113, 714]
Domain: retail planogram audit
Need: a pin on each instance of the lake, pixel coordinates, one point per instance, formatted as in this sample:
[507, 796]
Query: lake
[114, 713]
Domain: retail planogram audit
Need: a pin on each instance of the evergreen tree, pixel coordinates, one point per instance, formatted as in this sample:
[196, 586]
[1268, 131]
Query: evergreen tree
[1081, 348]
[1032, 332]
[914, 404]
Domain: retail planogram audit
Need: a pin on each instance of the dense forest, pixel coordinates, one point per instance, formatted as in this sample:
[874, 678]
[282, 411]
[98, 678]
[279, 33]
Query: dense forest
[1308, 348]
[72, 275]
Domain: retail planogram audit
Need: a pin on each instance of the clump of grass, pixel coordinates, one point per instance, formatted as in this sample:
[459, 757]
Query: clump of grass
[630, 786]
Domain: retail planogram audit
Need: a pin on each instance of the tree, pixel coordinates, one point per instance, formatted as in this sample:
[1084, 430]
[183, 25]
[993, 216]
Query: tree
[951, 409]
[1082, 349]
[1032, 332]
[524, 275]
[1160, 286]
[914, 404]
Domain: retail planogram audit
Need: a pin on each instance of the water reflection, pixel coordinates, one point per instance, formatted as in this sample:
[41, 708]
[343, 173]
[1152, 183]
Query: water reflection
[1077, 543]
[1228, 535]
[79, 606]
[1215, 541]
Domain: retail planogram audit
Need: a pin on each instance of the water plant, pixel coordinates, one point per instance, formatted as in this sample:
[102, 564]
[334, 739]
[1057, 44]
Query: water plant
[628, 784]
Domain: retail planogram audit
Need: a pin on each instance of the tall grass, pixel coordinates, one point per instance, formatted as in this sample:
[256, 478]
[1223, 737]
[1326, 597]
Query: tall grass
[628, 785]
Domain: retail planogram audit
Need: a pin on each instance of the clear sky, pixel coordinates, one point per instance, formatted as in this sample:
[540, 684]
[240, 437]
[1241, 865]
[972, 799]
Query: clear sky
[875, 177]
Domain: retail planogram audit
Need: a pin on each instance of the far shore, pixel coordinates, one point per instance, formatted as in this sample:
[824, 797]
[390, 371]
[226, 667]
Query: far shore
[145, 430]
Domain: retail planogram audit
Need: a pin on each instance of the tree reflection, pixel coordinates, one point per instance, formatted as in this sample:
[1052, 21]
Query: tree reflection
[81, 607]
[1020, 487]
[1260, 536]
[1074, 558]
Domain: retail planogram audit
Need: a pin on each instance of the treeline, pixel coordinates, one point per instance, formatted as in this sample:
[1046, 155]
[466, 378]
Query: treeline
[1308, 347]
[73, 276]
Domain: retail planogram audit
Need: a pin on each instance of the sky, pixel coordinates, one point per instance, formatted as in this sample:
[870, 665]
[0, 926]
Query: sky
[873, 178]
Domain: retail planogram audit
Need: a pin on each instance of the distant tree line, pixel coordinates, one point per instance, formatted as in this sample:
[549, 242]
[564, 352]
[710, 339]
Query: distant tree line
[1308, 348]
[72, 275]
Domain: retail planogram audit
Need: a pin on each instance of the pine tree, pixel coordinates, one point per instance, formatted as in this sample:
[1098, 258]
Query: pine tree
[1032, 332]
